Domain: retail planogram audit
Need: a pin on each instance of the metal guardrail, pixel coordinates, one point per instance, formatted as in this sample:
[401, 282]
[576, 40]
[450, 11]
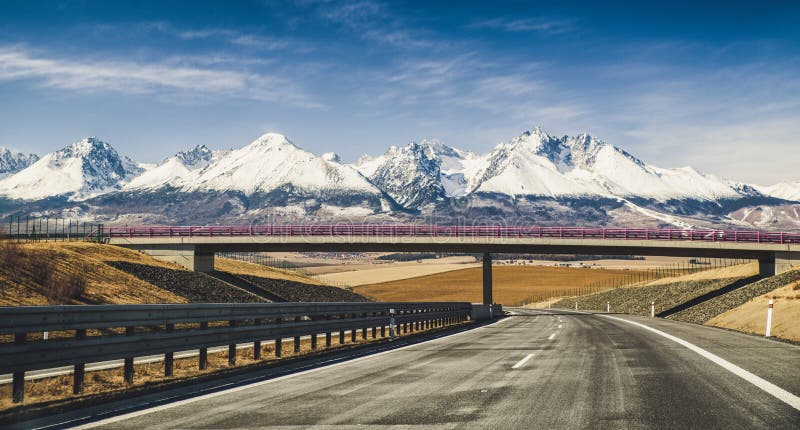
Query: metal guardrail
[165, 329]
[392, 230]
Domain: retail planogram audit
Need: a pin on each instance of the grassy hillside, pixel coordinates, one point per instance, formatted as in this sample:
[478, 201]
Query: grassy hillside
[737, 303]
[90, 273]
[511, 284]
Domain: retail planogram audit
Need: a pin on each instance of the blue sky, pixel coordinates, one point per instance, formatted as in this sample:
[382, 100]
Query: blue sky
[714, 85]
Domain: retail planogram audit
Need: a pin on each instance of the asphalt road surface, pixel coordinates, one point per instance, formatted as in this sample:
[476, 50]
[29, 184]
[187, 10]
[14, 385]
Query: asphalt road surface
[540, 369]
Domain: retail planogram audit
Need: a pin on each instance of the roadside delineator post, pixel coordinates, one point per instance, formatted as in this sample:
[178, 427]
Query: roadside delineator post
[608, 307]
[769, 318]
[576, 306]
[652, 309]
[391, 324]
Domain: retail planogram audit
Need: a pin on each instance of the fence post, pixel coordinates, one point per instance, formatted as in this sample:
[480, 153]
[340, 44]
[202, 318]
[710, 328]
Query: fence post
[769, 318]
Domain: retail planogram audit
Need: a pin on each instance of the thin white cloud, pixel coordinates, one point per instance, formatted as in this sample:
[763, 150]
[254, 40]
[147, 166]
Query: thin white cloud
[95, 75]
[539, 25]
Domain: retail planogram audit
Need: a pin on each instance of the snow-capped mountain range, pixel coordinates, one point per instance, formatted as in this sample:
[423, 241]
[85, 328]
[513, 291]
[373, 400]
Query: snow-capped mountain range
[535, 176]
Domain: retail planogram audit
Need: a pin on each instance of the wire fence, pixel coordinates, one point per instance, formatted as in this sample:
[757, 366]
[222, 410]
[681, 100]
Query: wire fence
[636, 276]
[279, 263]
[50, 229]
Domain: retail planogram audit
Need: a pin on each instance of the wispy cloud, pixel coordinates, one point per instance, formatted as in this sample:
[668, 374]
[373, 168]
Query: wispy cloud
[539, 25]
[96, 75]
[373, 21]
[250, 39]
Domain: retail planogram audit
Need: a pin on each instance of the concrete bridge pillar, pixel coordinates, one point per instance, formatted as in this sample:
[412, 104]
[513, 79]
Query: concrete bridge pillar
[487, 278]
[780, 262]
[187, 256]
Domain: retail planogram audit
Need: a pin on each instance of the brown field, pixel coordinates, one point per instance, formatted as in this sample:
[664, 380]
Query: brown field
[512, 285]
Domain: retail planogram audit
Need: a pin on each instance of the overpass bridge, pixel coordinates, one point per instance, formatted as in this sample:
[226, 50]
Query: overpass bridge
[194, 246]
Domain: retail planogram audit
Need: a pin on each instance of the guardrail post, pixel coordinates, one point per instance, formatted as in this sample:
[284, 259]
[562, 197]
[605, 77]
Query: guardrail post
[296, 338]
[257, 343]
[374, 332]
[327, 339]
[79, 369]
[169, 357]
[341, 332]
[18, 378]
[278, 340]
[353, 332]
[391, 324]
[203, 357]
[313, 341]
[232, 348]
[128, 371]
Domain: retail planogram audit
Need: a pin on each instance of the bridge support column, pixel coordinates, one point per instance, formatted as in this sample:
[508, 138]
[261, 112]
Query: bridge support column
[780, 262]
[187, 256]
[487, 278]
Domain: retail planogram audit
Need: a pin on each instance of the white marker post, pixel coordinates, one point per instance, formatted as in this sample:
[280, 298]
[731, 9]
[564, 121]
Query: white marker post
[652, 309]
[769, 318]
[391, 324]
[608, 307]
[576, 306]
[45, 335]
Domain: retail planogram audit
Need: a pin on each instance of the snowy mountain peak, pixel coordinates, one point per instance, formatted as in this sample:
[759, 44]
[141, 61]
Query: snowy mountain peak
[784, 190]
[536, 142]
[332, 157]
[12, 161]
[270, 140]
[85, 168]
[410, 174]
[200, 155]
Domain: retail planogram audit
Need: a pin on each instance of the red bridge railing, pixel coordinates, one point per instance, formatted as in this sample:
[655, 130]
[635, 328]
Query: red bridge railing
[393, 230]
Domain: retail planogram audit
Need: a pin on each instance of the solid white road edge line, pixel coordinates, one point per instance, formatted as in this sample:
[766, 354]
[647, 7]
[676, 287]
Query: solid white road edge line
[770, 388]
[522, 362]
[551, 336]
[268, 381]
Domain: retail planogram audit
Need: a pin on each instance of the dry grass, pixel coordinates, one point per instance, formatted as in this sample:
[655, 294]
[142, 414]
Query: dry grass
[511, 284]
[104, 382]
[751, 317]
[104, 284]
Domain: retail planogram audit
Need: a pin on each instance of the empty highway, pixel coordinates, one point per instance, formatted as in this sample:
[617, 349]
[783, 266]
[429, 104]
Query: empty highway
[538, 369]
